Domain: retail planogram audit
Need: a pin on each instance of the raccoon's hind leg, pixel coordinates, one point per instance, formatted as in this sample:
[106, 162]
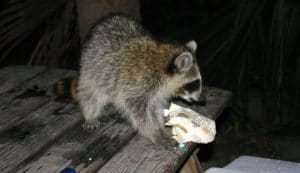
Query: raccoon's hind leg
[91, 106]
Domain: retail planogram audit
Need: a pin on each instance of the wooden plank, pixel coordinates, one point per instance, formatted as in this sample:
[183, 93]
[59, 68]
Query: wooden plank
[84, 151]
[48, 78]
[18, 109]
[192, 165]
[40, 82]
[13, 76]
[141, 156]
[34, 133]
[17, 104]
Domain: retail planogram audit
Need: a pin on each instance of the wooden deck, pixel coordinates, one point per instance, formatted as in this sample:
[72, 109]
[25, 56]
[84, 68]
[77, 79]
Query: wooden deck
[39, 134]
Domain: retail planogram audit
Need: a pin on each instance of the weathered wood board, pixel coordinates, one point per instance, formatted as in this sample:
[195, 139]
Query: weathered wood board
[192, 164]
[38, 134]
[13, 76]
[19, 102]
[29, 136]
[142, 156]
[35, 86]
[18, 109]
[82, 150]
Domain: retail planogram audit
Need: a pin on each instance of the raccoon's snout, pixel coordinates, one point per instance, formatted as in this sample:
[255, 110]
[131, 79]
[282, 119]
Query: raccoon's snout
[192, 98]
[199, 100]
[189, 97]
[192, 93]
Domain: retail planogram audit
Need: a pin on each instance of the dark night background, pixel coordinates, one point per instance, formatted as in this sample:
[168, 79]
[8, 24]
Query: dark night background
[248, 47]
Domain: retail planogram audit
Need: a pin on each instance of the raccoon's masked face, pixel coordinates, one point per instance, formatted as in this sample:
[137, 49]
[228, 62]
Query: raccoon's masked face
[191, 92]
[188, 77]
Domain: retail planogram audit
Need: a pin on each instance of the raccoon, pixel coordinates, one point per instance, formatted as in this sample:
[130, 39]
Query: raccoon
[123, 65]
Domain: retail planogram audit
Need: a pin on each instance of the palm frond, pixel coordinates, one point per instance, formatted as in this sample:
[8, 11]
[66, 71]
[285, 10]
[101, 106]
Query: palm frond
[19, 19]
[260, 55]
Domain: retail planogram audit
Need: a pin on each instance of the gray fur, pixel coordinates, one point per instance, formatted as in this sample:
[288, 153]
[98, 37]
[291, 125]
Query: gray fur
[119, 66]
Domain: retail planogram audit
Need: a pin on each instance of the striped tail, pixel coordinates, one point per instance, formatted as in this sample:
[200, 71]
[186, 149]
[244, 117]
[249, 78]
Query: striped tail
[66, 88]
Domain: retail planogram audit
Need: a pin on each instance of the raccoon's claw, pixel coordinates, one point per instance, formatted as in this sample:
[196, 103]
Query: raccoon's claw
[91, 125]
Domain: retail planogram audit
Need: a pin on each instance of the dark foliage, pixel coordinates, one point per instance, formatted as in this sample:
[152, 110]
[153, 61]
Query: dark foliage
[39, 33]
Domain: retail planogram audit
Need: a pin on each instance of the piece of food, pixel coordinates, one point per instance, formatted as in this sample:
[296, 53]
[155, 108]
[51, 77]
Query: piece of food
[190, 126]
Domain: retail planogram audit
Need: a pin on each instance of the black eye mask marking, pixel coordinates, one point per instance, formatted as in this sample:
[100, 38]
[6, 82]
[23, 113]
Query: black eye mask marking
[192, 86]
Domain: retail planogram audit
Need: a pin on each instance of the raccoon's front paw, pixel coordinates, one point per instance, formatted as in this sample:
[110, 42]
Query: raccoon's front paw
[90, 125]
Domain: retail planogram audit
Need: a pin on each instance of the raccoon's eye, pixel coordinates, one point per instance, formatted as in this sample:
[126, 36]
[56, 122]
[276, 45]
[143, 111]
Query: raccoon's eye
[192, 86]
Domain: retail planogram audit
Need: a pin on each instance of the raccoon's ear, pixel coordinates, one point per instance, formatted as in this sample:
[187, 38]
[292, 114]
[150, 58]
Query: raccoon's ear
[192, 45]
[184, 61]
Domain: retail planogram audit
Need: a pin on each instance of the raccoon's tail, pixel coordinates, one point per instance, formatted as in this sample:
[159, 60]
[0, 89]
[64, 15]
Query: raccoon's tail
[66, 88]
